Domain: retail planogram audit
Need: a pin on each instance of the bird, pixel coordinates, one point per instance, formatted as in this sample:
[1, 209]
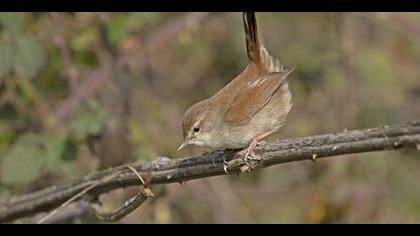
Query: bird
[248, 109]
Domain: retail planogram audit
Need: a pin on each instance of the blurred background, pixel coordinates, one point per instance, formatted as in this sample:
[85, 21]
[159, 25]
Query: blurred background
[81, 92]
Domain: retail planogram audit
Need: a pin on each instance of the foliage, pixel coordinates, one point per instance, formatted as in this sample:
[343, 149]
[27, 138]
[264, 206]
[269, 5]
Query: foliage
[84, 91]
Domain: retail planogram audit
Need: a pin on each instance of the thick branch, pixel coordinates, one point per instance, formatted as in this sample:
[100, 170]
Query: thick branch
[166, 171]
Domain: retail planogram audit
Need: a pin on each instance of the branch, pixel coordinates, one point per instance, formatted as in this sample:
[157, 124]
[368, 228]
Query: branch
[165, 171]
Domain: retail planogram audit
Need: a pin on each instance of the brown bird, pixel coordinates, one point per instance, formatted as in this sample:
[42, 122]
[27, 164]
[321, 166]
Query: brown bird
[251, 107]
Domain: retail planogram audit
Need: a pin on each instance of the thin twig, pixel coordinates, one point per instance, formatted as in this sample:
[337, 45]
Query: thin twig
[75, 197]
[136, 173]
[129, 205]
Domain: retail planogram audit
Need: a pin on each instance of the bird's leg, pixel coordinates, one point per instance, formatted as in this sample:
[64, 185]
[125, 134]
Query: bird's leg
[248, 155]
[257, 141]
[249, 151]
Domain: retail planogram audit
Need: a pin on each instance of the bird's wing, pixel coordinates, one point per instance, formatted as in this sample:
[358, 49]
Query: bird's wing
[253, 96]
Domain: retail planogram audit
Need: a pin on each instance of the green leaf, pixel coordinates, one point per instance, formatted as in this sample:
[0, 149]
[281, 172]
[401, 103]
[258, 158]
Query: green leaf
[44, 152]
[53, 146]
[56, 150]
[6, 53]
[22, 164]
[90, 118]
[13, 21]
[29, 57]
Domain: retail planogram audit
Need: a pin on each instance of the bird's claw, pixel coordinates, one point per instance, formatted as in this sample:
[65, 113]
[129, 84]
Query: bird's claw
[225, 169]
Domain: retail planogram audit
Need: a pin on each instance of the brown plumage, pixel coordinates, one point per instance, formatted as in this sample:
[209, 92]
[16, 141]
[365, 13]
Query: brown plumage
[249, 108]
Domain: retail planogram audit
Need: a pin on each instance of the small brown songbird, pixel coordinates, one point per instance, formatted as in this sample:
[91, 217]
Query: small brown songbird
[249, 108]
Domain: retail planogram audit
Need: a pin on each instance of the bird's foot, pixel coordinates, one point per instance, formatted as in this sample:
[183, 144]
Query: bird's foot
[247, 159]
[250, 154]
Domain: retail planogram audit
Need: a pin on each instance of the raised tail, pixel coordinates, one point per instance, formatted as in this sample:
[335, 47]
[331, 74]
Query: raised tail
[257, 53]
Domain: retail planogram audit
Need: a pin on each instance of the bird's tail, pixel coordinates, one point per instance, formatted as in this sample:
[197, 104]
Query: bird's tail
[257, 53]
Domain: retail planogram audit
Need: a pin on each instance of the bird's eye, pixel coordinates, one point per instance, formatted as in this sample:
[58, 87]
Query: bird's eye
[196, 129]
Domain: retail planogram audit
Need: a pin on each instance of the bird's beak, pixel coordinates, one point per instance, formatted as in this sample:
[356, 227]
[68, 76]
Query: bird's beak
[182, 145]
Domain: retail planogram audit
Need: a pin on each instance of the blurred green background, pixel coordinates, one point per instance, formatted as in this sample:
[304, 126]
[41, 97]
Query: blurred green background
[85, 91]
